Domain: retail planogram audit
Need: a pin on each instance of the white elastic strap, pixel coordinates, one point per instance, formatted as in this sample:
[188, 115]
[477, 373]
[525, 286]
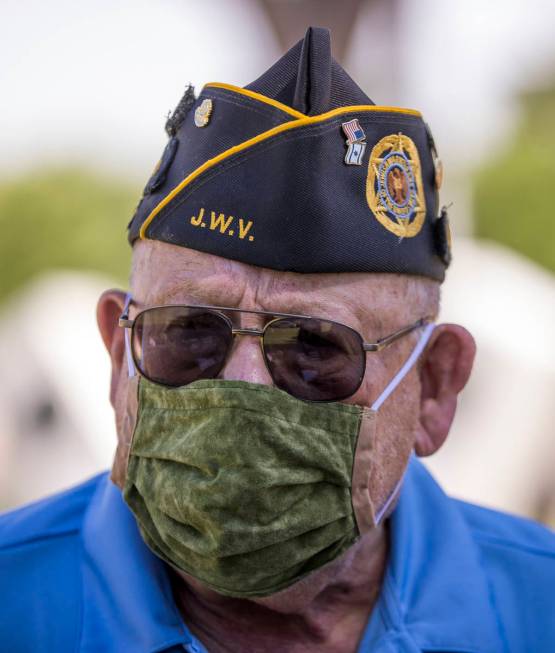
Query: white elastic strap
[131, 371]
[390, 499]
[406, 367]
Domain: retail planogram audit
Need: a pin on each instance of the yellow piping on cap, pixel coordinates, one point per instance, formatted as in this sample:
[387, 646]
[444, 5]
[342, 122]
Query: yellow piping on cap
[298, 114]
[257, 96]
[286, 126]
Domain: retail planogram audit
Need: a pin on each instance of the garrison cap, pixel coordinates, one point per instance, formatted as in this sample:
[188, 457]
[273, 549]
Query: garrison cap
[299, 171]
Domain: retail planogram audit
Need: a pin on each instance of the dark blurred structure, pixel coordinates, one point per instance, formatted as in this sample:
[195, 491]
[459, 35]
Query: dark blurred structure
[290, 18]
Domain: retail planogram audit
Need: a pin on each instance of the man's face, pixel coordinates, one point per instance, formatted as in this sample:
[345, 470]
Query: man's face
[375, 305]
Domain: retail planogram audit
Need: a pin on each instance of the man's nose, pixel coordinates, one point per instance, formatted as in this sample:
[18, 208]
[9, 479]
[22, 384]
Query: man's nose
[246, 362]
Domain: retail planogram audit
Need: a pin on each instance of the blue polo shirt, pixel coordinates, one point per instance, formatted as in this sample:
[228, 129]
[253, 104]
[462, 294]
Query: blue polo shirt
[75, 576]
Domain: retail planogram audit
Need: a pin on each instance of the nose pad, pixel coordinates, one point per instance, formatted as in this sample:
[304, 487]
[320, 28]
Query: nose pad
[246, 362]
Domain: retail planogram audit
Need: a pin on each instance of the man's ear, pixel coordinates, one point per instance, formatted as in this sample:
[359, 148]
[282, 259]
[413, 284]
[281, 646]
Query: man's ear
[444, 370]
[108, 310]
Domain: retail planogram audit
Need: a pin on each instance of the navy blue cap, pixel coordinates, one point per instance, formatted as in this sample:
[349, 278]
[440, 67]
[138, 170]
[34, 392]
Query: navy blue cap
[299, 171]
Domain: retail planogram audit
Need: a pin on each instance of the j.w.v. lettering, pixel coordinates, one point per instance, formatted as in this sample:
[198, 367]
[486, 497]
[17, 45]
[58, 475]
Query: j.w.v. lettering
[223, 224]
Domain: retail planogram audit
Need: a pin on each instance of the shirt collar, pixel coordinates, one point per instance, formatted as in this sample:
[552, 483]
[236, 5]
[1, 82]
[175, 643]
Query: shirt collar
[128, 603]
[435, 595]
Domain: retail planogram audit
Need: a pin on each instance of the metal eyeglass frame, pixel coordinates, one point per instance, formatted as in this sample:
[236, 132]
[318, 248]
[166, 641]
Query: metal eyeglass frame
[380, 344]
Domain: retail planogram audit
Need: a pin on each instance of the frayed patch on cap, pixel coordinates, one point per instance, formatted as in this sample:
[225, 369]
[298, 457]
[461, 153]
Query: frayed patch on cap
[160, 172]
[175, 120]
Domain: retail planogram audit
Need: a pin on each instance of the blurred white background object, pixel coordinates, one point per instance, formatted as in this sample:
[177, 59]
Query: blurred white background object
[93, 82]
[501, 450]
[57, 425]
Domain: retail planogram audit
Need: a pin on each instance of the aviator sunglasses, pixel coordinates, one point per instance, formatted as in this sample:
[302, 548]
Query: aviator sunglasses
[310, 358]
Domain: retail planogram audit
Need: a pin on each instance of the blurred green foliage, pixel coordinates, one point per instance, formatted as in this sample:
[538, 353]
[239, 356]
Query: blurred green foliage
[515, 192]
[63, 218]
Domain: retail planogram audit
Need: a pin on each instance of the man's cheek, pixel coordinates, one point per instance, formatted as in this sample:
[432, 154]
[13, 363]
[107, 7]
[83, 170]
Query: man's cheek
[126, 405]
[394, 441]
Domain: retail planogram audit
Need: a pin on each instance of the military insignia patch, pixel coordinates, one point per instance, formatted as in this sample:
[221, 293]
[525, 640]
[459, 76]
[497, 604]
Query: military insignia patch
[443, 238]
[394, 189]
[160, 172]
[203, 113]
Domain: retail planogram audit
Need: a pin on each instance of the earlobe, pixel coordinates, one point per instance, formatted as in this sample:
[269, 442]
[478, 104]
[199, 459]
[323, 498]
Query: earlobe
[108, 311]
[444, 371]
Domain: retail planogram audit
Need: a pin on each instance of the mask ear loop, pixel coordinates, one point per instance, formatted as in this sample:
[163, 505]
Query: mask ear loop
[421, 344]
[131, 370]
[424, 338]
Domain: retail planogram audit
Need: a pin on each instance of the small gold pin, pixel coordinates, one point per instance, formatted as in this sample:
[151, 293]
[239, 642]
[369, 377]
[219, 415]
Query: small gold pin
[203, 113]
[438, 165]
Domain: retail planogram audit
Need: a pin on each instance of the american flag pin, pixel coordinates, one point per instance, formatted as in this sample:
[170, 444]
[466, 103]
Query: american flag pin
[355, 142]
[353, 131]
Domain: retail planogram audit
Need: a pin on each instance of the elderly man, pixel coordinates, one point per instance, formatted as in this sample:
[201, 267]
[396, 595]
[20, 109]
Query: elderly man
[276, 372]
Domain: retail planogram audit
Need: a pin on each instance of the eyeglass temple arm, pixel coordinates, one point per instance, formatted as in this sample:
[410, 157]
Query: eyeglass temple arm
[385, 342]
[124, 320]
[126, 323]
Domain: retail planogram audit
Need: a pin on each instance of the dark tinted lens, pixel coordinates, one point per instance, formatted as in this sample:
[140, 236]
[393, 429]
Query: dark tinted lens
[314, 359]
[175, 346]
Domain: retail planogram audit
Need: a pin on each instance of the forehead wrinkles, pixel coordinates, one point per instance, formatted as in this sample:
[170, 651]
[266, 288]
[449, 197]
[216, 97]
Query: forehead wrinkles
[361, 300]
[375, 300]
[208, 289]
[382, 303]
[407, 299]
[163, 272]
[301, 294]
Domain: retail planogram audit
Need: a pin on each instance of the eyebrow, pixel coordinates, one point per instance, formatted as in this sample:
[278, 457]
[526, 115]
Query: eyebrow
[188, 288]
[314, 307]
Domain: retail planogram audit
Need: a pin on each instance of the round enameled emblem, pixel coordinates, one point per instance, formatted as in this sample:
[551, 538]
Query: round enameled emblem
[394, 189]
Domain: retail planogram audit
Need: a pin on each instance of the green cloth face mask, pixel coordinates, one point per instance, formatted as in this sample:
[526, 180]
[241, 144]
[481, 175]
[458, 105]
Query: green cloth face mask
[245, 487]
